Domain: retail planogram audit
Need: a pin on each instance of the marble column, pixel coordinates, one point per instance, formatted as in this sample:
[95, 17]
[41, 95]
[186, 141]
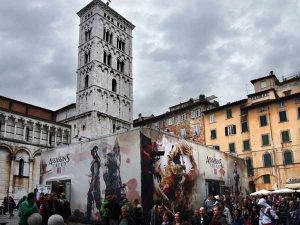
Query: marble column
[48, 136]
[68, 137]
[30, 175]
[62, 136]
[55, 136]
[33, 136]
[5, 125]
[24, 130]
[11, 175]
[15, 130]
[41, 133]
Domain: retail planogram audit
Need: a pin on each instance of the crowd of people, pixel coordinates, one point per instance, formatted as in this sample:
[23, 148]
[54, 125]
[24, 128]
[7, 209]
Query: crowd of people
[223, 210]
[262, 210]
[46, 205]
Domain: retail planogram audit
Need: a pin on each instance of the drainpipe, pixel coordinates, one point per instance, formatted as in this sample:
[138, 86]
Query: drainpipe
[278, 178]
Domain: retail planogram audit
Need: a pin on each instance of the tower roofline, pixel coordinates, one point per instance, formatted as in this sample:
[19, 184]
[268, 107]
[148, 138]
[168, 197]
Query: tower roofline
[108, 9]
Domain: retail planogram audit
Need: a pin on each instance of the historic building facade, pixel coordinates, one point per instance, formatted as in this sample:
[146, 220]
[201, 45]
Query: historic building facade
[104, 99]
[264, 129]
[184, 120]
[24, 131]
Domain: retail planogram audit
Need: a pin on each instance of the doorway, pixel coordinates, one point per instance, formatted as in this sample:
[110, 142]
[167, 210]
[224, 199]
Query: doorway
[61, 187]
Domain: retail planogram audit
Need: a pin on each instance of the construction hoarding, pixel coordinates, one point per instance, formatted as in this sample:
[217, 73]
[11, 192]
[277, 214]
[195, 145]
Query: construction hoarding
[141, 164]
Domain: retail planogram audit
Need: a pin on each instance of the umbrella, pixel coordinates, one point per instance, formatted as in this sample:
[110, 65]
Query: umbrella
[261, 192]
[284, 191]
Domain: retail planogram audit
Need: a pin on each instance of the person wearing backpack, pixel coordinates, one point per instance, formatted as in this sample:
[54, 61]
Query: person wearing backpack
[267, 215]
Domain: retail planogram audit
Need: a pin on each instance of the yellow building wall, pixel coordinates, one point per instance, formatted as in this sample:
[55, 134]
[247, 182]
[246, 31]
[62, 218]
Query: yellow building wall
[279, 173]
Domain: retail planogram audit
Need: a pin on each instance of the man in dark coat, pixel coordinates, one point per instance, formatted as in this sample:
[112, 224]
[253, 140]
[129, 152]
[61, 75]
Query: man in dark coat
[293, 217]
[218, 217]
[203, 217]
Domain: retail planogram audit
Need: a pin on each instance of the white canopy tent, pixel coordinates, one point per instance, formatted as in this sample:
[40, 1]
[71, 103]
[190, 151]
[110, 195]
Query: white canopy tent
[261, 192]
[284, 191]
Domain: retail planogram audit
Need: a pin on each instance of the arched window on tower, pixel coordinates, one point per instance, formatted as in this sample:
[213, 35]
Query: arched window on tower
[104, 33]
[120, 65]
[86, 81]
[109, 59]
[114, 85]
[87, 57]
[21, 167]
[288, 157]
[110, 38]
[114, 128]
[267, 158]
[107, 36]
[104, 57]
[88, 34]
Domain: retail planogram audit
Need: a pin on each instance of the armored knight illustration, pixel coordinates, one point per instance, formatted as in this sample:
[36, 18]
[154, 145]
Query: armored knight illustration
[111, 174]
[94, 195]
[178, 176]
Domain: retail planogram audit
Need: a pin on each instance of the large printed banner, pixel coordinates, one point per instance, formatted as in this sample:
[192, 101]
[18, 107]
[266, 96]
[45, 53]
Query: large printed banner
[105, 168]
[142, 164]
[182, 173]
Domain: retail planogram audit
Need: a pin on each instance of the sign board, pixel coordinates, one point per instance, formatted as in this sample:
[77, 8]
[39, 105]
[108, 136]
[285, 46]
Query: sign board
[43, 188]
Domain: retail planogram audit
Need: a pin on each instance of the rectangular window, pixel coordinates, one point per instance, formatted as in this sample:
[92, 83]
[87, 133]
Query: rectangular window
[229, 113]
[263, 120]
[155, 125]
[171, 121]
[182, 117]
[195, 113]
[244, 126]
[285, 136]
[263, 84]
[212, 118]
[183, 133]
[230, 130]
[265, 139]
[266, 179]
[196, 130]
[298, 112]
[231, 147]
[282, 116]
[217, 147]
[213, 134]
[246, 145]
[281, 104]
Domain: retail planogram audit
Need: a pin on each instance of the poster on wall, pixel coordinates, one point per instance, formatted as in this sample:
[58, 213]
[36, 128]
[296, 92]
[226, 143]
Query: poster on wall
[181, 174]
[99, 171]
[141, 164]
[43, 188]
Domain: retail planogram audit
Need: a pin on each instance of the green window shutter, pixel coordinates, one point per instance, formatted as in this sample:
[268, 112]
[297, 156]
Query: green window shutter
[265, 140]
[232, 147]
[285, 136]
[246, 145]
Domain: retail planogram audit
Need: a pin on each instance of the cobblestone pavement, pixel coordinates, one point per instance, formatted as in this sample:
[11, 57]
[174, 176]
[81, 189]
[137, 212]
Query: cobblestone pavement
[14, 220]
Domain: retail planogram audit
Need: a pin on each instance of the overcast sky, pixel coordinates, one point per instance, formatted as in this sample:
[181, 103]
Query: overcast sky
[181, 48]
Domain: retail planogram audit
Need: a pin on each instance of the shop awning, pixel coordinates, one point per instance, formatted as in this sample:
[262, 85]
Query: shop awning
[293, 186]
[58, 178]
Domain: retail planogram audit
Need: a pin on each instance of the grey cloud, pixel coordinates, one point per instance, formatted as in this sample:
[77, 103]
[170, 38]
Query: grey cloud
[181, 48]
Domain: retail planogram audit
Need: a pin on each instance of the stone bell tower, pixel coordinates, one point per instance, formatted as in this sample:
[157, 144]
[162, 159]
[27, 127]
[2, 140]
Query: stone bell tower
[104, 95]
